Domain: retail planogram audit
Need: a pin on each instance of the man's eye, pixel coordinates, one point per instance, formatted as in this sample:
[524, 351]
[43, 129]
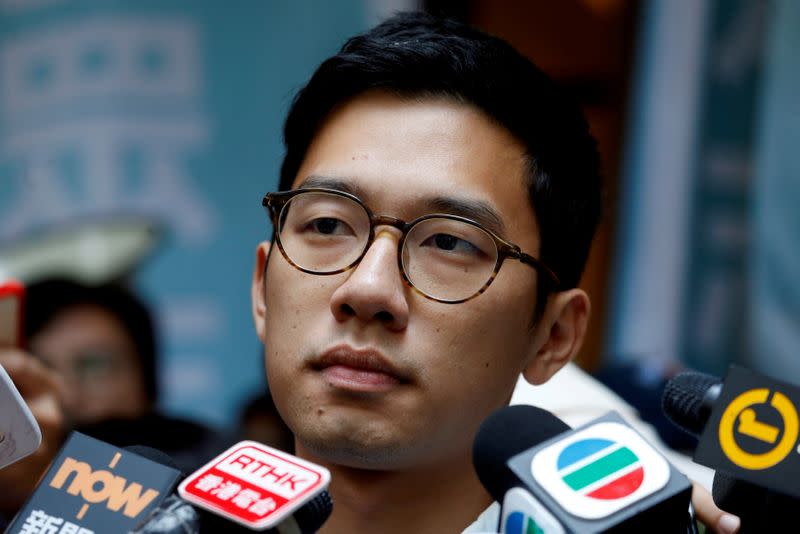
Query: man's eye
[450, 243]
[328, 226]
[92, 363]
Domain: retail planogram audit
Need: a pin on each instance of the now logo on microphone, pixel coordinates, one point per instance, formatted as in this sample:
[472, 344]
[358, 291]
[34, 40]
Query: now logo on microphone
[94, 487]
[102, 486]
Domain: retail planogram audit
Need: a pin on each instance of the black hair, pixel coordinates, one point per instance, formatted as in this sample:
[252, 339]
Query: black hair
[417, 55]
[47, 299]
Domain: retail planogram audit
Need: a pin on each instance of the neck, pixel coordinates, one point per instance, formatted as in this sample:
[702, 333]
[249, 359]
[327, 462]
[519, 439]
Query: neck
[440, 498]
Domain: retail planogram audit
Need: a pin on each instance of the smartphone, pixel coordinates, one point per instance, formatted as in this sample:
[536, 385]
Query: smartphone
[19, 432]
[12, 298]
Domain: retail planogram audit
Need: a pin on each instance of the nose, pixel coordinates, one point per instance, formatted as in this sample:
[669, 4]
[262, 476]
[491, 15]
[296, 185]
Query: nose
[374, 290]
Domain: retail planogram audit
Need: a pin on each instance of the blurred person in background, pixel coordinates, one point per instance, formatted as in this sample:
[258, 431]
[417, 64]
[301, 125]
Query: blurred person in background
[101, 341]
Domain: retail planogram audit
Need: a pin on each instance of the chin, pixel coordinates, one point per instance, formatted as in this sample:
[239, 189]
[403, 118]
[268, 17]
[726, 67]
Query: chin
[346, 451]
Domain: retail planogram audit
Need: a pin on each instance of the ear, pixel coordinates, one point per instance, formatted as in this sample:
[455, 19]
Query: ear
[560, 334]
[257, 291]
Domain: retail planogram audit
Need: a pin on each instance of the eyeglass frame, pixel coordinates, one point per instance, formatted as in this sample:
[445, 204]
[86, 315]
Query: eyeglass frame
[275, 202]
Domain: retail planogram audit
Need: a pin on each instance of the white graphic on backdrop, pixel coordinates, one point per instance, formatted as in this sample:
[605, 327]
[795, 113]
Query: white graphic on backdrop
[165, 190]
[99, 89]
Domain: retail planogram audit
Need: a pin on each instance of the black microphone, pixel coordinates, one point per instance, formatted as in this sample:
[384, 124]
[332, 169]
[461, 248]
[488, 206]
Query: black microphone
[707, 407]
[503, 435]
[688, 399]
[600, 477]
[172, 516]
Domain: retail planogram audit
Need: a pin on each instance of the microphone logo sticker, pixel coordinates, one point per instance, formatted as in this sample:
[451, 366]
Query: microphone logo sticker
[519, 523]
[613, 471]
[750, 429]
[523, 514]
[600, 470]
[254, 484]
[102, 487]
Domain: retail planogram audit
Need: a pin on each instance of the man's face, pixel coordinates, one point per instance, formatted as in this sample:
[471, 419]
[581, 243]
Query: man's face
[364, 370]
[94, 354]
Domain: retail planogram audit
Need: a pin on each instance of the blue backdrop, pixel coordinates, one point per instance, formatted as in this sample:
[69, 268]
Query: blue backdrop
[173, 109]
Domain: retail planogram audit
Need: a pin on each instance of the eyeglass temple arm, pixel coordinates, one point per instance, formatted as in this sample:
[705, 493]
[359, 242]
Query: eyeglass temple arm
[536, 264]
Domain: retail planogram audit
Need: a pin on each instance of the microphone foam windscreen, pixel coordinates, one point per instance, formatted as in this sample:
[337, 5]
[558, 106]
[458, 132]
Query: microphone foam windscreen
[314, 513]
[682, 401]
[506, 433]
[154, 455]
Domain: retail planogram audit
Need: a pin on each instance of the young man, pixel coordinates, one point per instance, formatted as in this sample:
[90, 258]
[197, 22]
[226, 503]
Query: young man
[439, 197]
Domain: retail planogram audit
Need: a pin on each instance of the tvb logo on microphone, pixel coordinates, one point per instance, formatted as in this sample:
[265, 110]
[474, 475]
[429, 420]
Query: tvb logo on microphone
[596, 472]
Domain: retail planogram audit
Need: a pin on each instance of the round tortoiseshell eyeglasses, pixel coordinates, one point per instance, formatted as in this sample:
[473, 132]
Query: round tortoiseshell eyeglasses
[447, 258]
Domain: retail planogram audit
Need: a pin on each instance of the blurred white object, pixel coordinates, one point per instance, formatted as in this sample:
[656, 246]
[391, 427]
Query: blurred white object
[91, 250]
[19, 432]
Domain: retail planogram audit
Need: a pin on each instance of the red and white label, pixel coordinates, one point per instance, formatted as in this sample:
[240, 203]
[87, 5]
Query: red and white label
[254, 485]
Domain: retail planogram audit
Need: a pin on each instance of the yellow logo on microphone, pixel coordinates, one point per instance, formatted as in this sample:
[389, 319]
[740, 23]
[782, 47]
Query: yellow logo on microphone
[102, 486]
[740, 417]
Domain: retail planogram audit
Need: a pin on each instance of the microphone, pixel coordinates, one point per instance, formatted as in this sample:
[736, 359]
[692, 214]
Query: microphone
[260, 487]
[177, 516]
[600, 477]
[748, 429]
[92, 486]
[172, 516]
[154, 455]
[504, 434]
[688, 399]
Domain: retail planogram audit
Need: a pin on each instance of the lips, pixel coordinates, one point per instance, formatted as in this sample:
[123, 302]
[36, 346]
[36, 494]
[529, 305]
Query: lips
[365, 370]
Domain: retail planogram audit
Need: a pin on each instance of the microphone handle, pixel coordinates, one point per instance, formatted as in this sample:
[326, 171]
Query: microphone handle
[760, 509]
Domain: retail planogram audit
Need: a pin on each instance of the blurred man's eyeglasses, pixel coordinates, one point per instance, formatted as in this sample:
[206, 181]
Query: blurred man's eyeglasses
[92, 367]
[447, 258]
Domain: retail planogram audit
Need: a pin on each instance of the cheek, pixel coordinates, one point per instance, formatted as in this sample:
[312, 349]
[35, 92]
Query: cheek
[486, 345]
[489, 336]
[289, 310]
[295, 320]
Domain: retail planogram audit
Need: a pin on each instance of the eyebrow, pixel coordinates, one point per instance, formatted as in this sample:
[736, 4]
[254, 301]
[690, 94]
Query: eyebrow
[328, 182]
[478, 210]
